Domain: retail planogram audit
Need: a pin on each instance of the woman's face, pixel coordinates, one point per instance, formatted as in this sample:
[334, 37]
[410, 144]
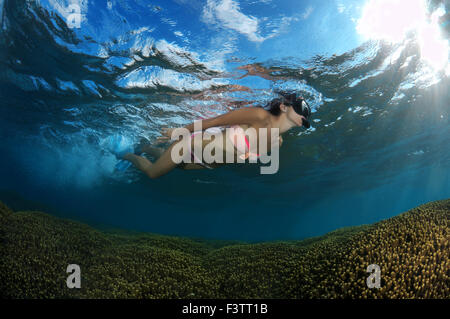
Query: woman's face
[294, 117]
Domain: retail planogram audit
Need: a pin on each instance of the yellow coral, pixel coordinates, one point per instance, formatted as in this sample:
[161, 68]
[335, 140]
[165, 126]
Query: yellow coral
[411, 249]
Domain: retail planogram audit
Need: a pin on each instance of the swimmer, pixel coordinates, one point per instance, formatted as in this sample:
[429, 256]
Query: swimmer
[282, 113]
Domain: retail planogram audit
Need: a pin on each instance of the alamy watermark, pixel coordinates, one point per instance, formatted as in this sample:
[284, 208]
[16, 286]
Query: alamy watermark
[74, 279]
[235, 140]
[374, 280]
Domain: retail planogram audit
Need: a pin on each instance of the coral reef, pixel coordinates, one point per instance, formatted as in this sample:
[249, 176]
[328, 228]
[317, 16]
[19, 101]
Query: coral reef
[412, 250]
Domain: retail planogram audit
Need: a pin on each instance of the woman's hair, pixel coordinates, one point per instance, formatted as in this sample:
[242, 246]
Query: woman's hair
[274, 106]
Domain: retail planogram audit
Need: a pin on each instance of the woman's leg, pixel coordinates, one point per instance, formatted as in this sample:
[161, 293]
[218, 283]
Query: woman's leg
[161, 166]
[156, 152]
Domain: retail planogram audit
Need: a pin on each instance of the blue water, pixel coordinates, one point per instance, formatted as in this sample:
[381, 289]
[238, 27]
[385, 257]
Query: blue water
[378, 143]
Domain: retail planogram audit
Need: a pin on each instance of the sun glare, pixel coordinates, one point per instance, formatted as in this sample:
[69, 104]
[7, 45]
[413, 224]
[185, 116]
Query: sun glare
[434, 49]
[391, 20]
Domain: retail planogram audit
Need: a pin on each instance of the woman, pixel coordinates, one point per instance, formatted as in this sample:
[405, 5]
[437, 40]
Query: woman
[284, 113]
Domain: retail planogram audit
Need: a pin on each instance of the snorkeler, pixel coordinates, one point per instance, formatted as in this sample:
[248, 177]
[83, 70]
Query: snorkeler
[283, 113]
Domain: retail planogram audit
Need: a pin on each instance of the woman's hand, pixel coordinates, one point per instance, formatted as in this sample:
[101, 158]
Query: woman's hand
[280, 139]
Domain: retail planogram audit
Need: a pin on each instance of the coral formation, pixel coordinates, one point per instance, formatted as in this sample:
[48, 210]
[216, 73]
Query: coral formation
[412, 250]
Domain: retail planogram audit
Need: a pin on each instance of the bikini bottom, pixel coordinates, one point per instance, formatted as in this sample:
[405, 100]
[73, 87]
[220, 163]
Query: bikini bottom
[216, 130]
[195, 159]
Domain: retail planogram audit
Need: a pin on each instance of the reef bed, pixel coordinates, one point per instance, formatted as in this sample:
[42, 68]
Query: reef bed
[411, 249]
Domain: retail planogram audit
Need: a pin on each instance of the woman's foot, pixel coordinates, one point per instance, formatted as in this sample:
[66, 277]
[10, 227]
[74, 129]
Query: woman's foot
[137, 150]
[140, 148]
[119, 145]
[145, 146]
[128, 156]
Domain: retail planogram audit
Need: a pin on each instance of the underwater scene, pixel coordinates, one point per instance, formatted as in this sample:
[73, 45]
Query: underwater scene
[357, 204]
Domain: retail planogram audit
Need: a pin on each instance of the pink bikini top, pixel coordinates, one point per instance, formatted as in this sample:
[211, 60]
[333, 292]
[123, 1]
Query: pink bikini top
[239, 132]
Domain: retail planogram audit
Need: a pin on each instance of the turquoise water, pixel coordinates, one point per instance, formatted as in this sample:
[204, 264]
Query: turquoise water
[378, 143]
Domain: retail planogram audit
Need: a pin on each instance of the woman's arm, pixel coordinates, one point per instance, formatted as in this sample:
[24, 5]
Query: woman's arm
[246, 115]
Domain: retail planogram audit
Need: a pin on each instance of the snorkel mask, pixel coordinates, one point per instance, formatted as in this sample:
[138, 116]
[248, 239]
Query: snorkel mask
[300, 107]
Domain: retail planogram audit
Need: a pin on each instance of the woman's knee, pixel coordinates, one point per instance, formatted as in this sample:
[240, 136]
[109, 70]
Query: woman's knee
[159, 169]
[152, 174]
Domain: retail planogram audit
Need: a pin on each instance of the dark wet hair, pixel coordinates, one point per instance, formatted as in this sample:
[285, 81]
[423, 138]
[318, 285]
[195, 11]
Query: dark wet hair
[274, 106]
